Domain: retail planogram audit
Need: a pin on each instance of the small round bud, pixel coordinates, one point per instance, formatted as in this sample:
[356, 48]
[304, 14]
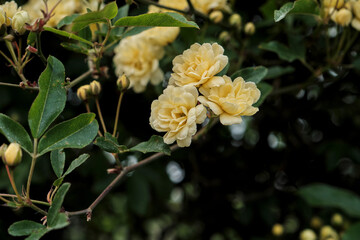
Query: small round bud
[235, 20]
[123, 83]
[337, 220]
[12, 155]
[83, 92]
[328, 232]
[278, 230]
[2, 151]
[316, 222]
[224, 36]
[95, 88]
[19, 20]
[343, 17]
[307, 234]
[249, 28]
[216, 16]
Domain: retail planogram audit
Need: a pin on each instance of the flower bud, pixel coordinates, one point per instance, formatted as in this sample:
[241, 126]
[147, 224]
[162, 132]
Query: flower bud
[10, 8]
[2, 151]
[355, 23]
[328, 232]
[19, 20]
[235, 20]
[12, 155]
[316, 222]
[337, 220]
[83, 92]
[249, 28]
[334, 3]
[224, 36]
[216, 16]
[356, 9]
[95, 88]
[123, 83]
[278, 230]
[307, 234]
[343, 17]
[2, 16]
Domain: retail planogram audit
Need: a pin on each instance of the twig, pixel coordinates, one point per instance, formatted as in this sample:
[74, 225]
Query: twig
[79, 79]
[17, 85]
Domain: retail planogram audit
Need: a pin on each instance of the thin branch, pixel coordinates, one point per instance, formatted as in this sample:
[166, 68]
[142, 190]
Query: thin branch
[17, 85]
[79, 79]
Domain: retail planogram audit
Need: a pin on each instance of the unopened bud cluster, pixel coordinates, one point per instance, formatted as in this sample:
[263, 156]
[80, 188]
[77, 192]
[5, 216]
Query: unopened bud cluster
[343, 13]
[87, 91]
[11, 155]
[11, 15]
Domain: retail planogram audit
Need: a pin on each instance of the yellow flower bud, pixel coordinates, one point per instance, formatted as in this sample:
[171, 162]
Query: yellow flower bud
[12, 155]
[123, 83]
[83, 92]
[249, 28]
[333, 3]
[2, 16]
[278, 230]
[343, 17]
[224, 36]
[356, 9]
[307, 234]
[355, 23]
[328, 232]
[216, 16]
[19, 20]
[316, 222]
[337, 220]
[235, 20]
[2, 151]
[10, 8]
[95, 88]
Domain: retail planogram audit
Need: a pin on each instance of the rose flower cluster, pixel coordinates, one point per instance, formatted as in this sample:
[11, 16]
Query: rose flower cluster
[180, 108]
[343, 12]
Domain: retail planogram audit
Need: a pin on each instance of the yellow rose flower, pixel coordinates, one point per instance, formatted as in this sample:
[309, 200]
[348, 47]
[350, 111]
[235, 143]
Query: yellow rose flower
[198, 65]
[206, 6]
[178, 4]
[10, 8]
[231, 100]
[161, 35]
[139, 61]
[176, 112]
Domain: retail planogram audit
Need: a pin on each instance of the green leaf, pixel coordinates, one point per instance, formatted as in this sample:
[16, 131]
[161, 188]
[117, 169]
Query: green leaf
[322, 195]
[122, 12]
[168, 19]
[54, 210]
[284, 52]
[74, 133]
[51, 99]
[133, 31]
[155, 144]
[57, 158]
[61, 221]
[309, 7]
[38, 234]
[76, 163]
[24, 228]
[353, 232]
[67, 20]
[251, 74]
[14, 132]
[110, 144]
[278, 71]
[108, 12]
[58, 182]
[265, 90]
[68, 35]
[31, 38]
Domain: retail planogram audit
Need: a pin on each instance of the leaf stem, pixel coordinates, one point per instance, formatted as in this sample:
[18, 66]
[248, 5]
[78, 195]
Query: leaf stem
[17, 85]
[33, 201]
[100, 114]
[32, 167]
[117, 113]
[79, 79]
[12, 52]
[38, 44]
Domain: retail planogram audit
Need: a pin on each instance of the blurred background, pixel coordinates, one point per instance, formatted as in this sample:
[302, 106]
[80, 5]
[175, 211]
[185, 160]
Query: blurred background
[294, 164]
